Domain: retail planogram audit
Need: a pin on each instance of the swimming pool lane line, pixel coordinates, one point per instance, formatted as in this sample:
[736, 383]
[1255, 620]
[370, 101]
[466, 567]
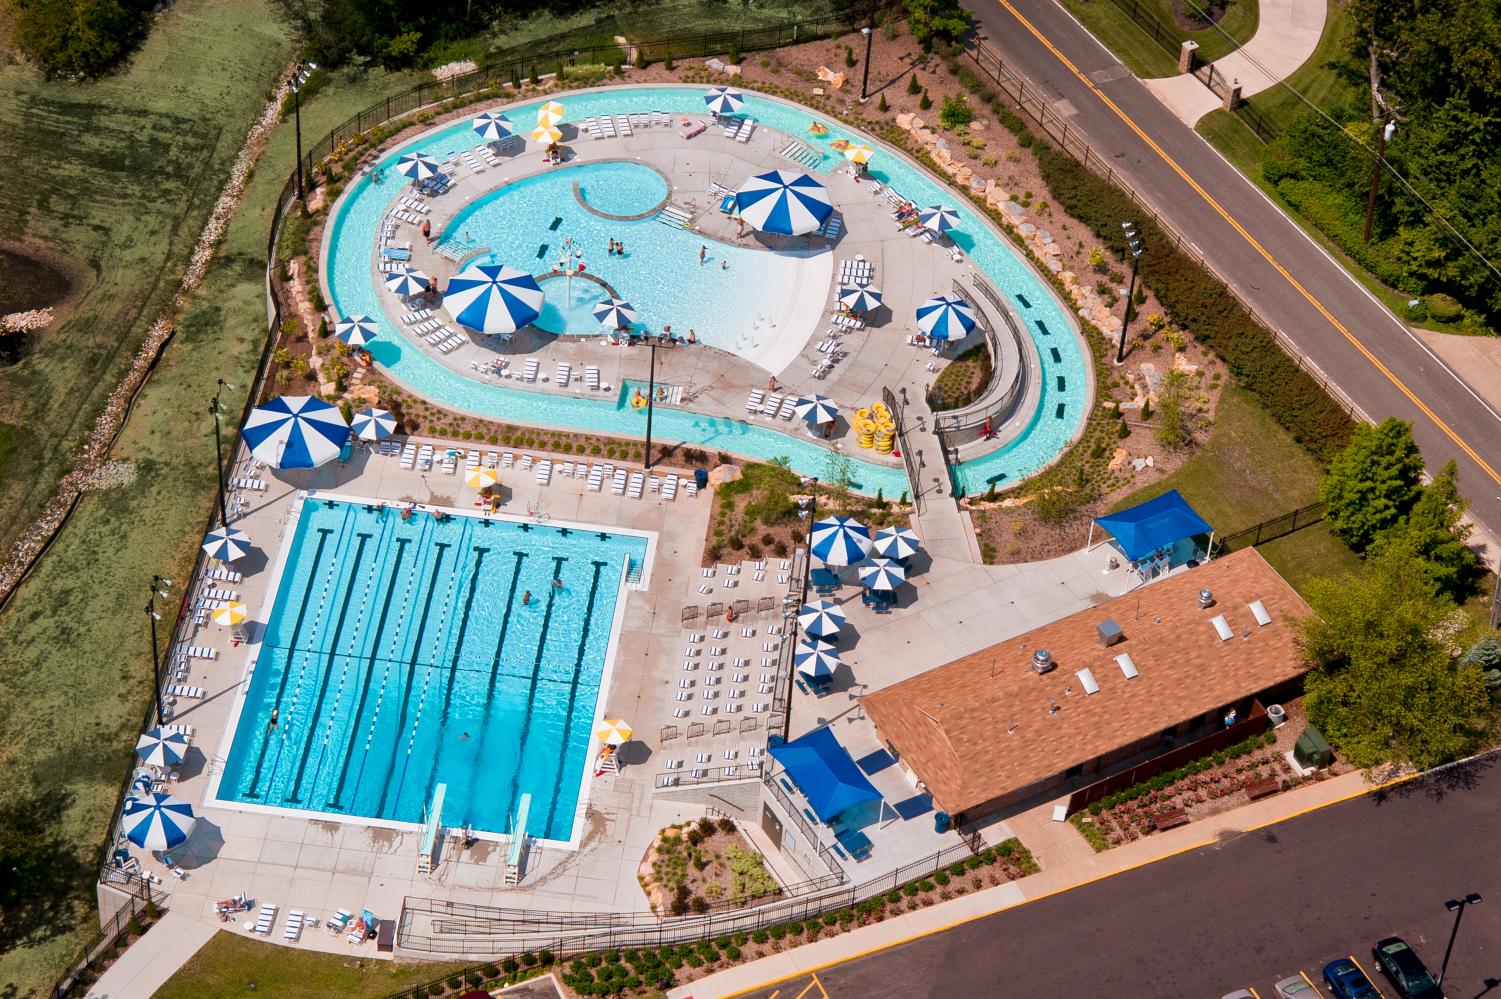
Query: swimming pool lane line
[362, 540]
[531, 694]
[380, 627]
[453, 668]
[500, 644]
[440, 549]
[307, 592]
[573, 691]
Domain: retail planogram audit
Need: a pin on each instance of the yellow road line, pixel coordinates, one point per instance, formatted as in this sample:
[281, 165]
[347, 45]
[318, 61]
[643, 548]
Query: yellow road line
[1255, 244]
[1253, 991]
[935, 931]
[1306, 979]
[774, 994]
[1368, 975]
[812, 984]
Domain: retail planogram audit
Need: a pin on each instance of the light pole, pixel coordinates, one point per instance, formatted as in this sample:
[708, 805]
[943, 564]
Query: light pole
[651, 394]
[1456, 906]
[158, 589]
[300, 74]
[1135, 248]
[213, 409]
[1387, 131]
[870, 34]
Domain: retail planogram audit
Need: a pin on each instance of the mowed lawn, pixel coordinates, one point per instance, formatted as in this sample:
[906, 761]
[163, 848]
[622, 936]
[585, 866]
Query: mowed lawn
[74, 646]
[1251, 470]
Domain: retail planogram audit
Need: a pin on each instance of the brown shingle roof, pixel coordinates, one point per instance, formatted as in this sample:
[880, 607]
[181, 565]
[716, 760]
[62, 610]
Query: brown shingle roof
[950, 724]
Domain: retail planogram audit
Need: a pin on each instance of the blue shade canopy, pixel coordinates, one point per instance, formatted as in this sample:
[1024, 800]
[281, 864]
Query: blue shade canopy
[939, 218]
[823, 770]
[409, 282]
[615, 313]
[225, 544]
[492, 126]
[295, 431]
[493, 298]
[784, 202]
[160, 748]
[724, 100]
[821, 619]
[1146, 527]
[839, 540]
[815, 658]
[861, 298]
[158, 821]
[944, 317]
[356, 330]
[372, 424]
[817, 409]
[882, 574]
[896, 542]
[418, 166]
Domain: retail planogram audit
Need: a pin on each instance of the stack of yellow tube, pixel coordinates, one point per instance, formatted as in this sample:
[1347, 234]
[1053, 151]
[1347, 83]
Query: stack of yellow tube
[885, 435]
[865, 431]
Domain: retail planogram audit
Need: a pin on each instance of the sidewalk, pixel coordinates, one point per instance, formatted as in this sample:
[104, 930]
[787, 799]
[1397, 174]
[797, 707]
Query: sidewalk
[147, 964]
[1287, 33]
[1067, 862]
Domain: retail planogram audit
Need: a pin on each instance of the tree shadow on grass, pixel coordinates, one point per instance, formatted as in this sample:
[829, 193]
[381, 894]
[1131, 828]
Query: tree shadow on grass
[41, 873]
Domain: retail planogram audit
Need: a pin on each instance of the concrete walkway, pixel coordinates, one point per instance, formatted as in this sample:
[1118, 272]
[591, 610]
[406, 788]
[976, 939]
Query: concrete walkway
[1067, 862]
[1286, 34]
[147, 964]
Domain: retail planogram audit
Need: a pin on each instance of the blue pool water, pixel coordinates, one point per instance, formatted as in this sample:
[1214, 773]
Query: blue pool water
[1064, 375]
[400, 655]
[537, 224]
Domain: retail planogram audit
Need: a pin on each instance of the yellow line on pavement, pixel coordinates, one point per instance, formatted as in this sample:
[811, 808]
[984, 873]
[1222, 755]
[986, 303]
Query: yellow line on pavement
[1255, 244]
[1368, 976]
[1305, 978]
[1253, 991]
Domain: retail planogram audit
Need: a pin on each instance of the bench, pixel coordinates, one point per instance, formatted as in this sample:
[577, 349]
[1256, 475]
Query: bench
[1263, 788]
[1170, 819]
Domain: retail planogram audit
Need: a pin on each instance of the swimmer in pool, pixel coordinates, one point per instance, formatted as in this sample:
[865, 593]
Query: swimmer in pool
[272, 726]
[526, 598]
[557, 583]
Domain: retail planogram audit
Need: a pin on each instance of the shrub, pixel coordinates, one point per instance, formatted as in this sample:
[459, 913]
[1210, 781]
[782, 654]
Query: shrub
[1443, 308]
[667, 62]
[849, 57]
[473, 978]
[925, 102]
[528, 959]
[882, 105]
[955, 113]
[760, 936]
[699, 904]
[913, 86]
[455, 983]
[727, 824]
[546, 957]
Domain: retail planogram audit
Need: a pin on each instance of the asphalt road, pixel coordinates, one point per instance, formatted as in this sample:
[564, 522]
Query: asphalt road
[1396, 375]
[1245, 913]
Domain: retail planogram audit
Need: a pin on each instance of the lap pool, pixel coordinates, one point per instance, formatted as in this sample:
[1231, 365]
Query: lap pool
[1064, 375]
[400, 655]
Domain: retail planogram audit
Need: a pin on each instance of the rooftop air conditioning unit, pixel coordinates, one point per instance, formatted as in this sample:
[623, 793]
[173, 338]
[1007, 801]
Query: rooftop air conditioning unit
[1042, 662]
[1110, 633]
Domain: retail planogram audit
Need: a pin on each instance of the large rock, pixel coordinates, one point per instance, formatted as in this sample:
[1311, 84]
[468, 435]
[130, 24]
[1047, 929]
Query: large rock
[904, 121]
[941, 156]
[918, 124]
[964, 174]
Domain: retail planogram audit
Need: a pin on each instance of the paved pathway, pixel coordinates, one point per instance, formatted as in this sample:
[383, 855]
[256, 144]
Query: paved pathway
[1287, 32]
[147, 964]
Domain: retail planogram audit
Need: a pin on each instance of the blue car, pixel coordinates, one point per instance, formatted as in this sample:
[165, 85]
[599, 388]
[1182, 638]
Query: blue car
[1347, 981]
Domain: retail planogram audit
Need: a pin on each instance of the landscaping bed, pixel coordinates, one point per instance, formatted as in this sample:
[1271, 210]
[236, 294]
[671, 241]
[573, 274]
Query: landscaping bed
[962, 379]
[696, 866]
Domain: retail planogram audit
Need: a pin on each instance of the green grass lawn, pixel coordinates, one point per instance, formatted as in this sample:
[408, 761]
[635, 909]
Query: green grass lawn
[74, 681]
[228, 963]
[1250, 470]
[1145, 56]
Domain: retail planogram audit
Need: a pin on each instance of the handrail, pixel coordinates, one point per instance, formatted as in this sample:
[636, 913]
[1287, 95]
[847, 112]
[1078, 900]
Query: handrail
[966, 425]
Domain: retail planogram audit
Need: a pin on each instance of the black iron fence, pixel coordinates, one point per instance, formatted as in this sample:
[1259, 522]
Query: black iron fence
[80, 973]
[1271, 530]
[1170, 37]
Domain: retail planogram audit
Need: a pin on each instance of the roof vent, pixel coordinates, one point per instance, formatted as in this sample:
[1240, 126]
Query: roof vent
[1042, 662]
[1222, 627]
[1259, 612]
[1086, 678]
[1206, 599]
[1110, 633]
[1127, 666]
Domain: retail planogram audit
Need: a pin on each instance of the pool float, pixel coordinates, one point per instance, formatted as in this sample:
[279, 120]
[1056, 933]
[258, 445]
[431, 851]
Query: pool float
[839, 145]
[817, 129]
[638, 401]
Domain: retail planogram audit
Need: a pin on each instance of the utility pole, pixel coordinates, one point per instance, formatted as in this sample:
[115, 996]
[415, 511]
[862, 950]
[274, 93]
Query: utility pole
[158, 585]
[1382, 138]
[1135, 248]
[1456, 906]
[213, 408]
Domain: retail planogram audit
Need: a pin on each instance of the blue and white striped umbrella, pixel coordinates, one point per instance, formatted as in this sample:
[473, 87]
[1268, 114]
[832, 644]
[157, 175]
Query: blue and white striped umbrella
[158, 821]
[372, 424]
[939, 218]
[896, 542]
[492, 126]
[226, 544]
[944, 317]
[615, 313]
[409, 282]
[822, 619]
[882, 574]
[860, 298]
[160, 748]
[356, 330]
[815, 658]
[724, 100]
[295, 431]
[418, 166]
[816, 409]
[784, 201]
[493, 298]
[839, 541]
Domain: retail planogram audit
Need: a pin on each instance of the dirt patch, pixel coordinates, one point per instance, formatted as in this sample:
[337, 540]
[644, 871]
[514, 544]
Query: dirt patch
[31, 278]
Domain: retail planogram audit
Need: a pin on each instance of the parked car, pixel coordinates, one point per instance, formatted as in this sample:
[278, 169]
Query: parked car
[1347, 981]
[1405, 970]
[1240, 994]
[1296, 987]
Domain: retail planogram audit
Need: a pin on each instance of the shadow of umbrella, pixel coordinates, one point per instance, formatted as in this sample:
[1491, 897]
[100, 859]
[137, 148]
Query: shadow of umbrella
[202, 847]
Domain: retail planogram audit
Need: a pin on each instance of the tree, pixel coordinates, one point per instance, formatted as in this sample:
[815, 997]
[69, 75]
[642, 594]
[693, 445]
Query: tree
[79, 38]
[1384, 686]
[1433, 530]
[1485, 655]
[1372, 483]
[930, 19]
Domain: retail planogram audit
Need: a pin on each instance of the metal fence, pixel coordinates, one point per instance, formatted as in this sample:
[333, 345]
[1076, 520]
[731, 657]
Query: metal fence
[75, 979]
[1037, 106]
[803, 823]
[909, 460]
[1168, 36]
[1271, 530]
[965, 426]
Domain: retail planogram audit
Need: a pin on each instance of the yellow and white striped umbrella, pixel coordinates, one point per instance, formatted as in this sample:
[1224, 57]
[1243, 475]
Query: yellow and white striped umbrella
[481, 478]
[613, 732]
[546, 134]
[550, 113]
[859, 154]
[230, 614]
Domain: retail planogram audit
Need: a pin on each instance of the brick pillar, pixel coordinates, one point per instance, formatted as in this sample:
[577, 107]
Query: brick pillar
[1232, 95]
[1188, 56]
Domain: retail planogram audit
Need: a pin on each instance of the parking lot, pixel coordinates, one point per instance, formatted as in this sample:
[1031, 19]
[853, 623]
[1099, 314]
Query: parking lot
[1246, 913]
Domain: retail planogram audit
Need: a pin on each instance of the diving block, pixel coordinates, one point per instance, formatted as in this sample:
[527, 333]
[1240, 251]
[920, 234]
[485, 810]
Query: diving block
[518, 842]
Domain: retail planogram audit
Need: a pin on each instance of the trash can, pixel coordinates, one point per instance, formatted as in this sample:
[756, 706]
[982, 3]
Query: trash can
[940, 822]
[701, 478]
